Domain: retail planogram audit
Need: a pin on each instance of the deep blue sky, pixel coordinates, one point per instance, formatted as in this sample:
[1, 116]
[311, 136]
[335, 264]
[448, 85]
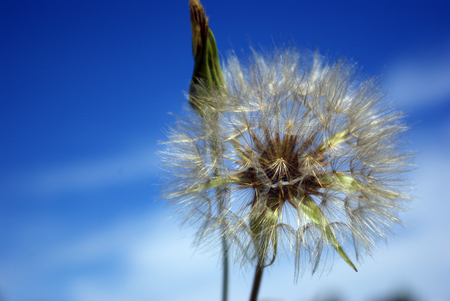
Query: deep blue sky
[85, 92]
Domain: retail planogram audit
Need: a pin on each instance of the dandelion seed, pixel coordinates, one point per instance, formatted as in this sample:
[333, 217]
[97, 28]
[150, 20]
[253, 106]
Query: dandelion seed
[311, 155]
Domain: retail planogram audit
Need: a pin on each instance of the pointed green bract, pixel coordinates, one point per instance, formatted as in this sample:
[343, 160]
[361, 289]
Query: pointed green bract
[349, 182]
[207, 73]
[334, 242]
[213, 56]
[255, 224]
[335, 140]
[272, 220]
[341, 181]
[240, 153]
[214, 183]
[310, 209]
[263, 230]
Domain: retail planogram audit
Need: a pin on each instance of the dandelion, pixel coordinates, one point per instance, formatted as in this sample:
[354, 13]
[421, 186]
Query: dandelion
[310, 153]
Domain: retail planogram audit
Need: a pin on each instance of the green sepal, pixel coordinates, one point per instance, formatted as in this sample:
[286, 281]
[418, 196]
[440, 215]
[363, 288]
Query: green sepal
[262, 226]
[256, 223]
[334, 242]
[335, 140]
[267, 219]
[215, 183]
[240, 153]
[201, 68]
[340, 180]
[271, 218]
[310, 209]
[217, 74]
[207, 73]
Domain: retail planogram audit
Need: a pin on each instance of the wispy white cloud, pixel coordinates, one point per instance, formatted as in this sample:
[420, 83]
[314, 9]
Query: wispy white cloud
[421, 78]
[155, 261]
[86, 175]
[150, 257]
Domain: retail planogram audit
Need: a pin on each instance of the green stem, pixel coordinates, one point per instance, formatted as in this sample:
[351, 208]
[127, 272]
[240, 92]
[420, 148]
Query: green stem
[207, 72]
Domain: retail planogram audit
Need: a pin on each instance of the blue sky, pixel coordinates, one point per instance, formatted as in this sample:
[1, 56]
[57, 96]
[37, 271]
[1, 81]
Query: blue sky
[85, 92]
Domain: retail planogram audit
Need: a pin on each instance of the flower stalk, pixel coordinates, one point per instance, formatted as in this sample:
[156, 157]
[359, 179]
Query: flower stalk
[208, 75]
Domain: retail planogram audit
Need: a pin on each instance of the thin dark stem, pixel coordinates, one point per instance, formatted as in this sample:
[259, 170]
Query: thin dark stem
[225, 269]
[257, 281]
[222, 201]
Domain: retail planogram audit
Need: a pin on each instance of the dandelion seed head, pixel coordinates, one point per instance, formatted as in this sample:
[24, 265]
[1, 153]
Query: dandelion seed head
[307, 157]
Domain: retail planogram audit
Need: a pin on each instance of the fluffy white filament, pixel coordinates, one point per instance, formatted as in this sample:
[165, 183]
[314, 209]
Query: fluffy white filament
[287, 129]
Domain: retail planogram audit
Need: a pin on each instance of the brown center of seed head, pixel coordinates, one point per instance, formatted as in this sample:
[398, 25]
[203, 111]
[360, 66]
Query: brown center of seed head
[286, 169]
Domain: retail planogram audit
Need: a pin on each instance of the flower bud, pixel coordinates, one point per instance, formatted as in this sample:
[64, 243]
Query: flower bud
[207, 70]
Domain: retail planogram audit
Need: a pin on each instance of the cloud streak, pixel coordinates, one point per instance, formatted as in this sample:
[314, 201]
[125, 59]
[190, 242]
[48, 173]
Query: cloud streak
[421, 79]
[86, 175]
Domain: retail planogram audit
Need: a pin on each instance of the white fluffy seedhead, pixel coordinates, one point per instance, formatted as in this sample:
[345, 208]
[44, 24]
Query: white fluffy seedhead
[296, 154]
